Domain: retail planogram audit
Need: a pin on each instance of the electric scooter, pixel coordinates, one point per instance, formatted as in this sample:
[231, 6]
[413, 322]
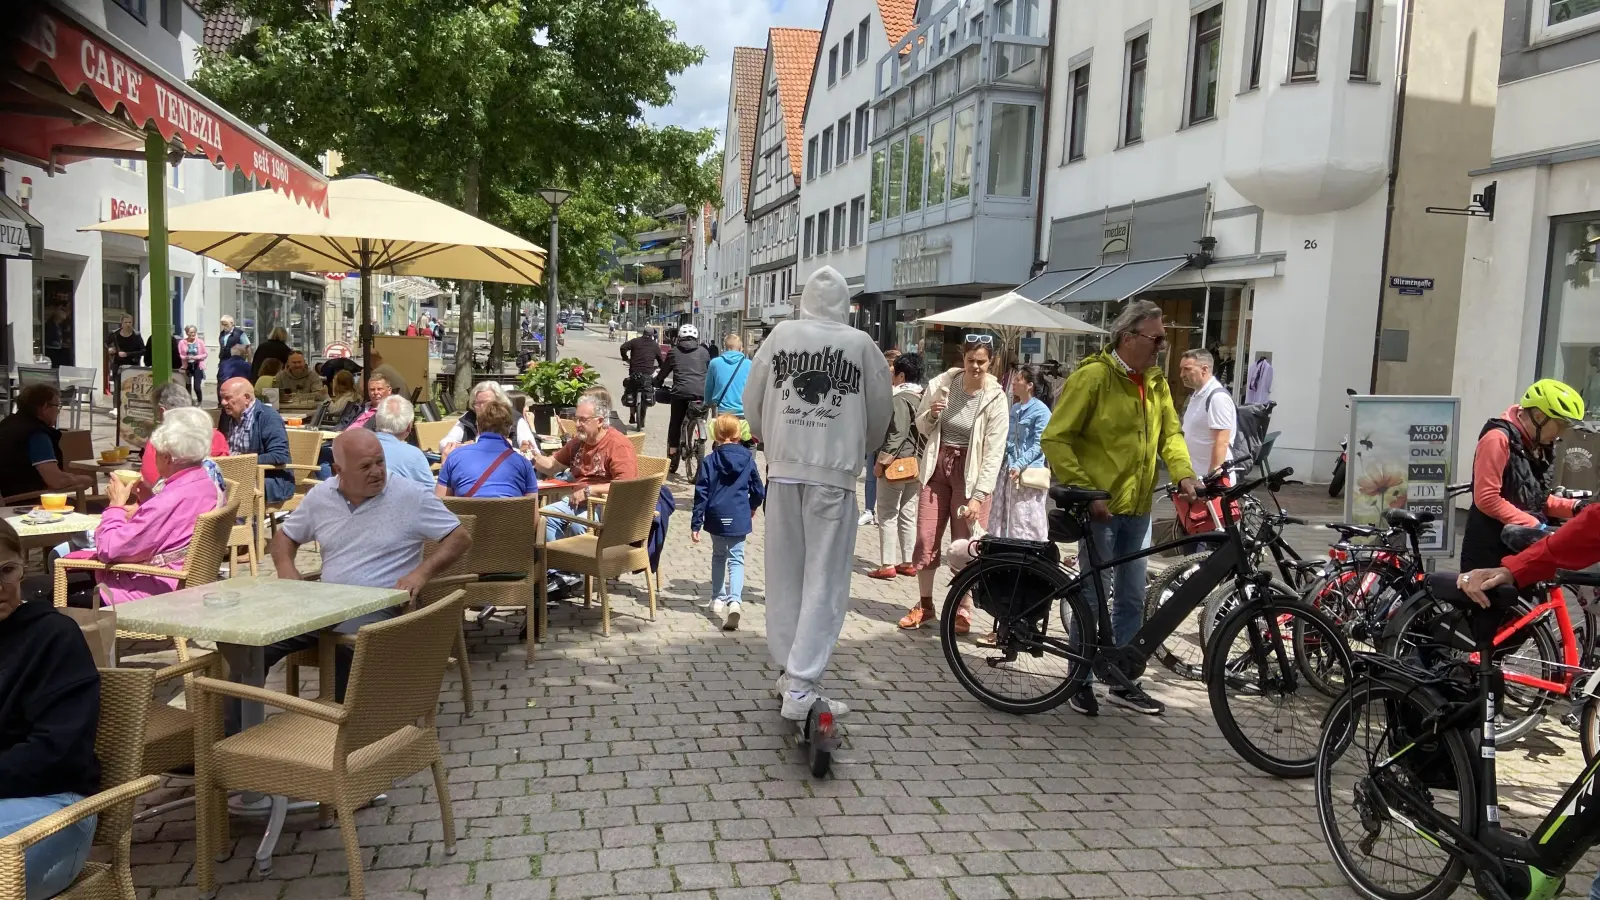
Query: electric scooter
[820, 734]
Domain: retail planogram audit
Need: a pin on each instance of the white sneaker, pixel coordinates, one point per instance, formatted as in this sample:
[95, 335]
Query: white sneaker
[867, 518]
[719, 607]
[797, 705]
[781, 686]
[731, 623]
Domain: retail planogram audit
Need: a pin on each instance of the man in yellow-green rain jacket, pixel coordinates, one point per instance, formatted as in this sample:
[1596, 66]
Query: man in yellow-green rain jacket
[1114, 417]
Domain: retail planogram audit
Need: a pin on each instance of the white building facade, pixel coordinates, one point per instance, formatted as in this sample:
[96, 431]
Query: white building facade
[773, 204]
[63, 306]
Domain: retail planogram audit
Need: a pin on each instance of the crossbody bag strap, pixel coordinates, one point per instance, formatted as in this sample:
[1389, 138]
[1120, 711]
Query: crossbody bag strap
[487, 472]
[736, 370]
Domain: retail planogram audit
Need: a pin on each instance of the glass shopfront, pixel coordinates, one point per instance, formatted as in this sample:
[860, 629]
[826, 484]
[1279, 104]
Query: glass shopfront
[1569, 348]
[263, 304]
[120, 295]
[1195, 317]
[53, 320]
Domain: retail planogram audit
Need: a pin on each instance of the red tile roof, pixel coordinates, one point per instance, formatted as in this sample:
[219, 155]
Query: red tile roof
[898, 17]
[222, 28]
[749, 66]
[794, 55]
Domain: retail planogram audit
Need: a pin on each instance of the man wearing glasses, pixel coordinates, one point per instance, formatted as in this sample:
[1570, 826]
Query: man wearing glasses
[49, 712]
[1115, 417]
[598, 456]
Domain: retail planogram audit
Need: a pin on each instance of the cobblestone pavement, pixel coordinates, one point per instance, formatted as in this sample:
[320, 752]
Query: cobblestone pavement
[653, 764]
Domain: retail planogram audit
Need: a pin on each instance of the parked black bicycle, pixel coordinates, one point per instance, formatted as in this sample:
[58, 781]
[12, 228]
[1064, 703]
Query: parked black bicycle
[1015, 662]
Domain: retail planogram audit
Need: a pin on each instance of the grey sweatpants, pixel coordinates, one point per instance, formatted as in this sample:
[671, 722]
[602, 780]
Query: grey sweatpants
[810, 547]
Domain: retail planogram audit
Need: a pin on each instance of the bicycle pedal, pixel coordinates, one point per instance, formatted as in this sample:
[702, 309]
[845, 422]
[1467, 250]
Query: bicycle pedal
[1570, 720]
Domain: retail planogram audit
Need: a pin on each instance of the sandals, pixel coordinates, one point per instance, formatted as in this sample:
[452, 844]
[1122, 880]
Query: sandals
[914, 619]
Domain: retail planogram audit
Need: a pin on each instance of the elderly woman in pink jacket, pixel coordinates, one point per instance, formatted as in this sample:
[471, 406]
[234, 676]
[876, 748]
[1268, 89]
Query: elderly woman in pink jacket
[157, 532]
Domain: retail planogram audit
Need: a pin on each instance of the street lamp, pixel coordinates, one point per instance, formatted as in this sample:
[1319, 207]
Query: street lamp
[555, 197]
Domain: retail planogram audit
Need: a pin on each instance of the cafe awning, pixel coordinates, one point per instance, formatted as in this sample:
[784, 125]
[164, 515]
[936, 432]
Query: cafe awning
[1042, 286]
[1117, 283]
[71, 91]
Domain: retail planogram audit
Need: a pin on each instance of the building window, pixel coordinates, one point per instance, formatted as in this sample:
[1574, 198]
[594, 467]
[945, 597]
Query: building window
[822, 232]
[1258, 44]
[134, 7]
[858, 207]
[847, 53]
[833, 65]
[938, 161]
[1568, 344]
[1133, 102]
[1307, 38]
[811, 159]
[897, 174]
[810, 232]
[838, 227]
[1204, 62]
[1361, 46]
[961, 154]
[861, 40]
[863, 128]
[1555, 19]
[842, 152]
[916, 155]
[879, 178]
[1011, 150]
[827, 150]
[1078, 115]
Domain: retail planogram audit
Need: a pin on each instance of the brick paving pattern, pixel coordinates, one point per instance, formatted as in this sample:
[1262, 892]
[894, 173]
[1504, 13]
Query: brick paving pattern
[653, 764]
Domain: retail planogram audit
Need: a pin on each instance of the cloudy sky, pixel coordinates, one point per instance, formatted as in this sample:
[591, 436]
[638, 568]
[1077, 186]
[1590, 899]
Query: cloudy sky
[719, 26]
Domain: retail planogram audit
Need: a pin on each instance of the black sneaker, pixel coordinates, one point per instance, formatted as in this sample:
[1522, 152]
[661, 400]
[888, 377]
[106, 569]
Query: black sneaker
[1084, 701]
[1136, 699]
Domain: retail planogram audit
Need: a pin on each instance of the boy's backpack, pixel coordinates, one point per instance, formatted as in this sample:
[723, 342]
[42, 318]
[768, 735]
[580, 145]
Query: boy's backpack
[1250, 431]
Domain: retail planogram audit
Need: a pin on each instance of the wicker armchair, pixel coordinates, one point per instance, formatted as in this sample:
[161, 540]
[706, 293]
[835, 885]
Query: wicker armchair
[119, 743]
[169, 736]
[506, 539]
[636, 438]
[607, 550]
[341, 755]
[305, 449]
[649, 467]
[246, 533]
[429, 434]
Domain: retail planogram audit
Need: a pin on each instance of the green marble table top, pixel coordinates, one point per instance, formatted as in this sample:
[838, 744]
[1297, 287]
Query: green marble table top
[268, 610]
[71, 523]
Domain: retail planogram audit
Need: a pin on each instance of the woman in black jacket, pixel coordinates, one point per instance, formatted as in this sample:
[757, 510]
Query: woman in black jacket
[275, 347]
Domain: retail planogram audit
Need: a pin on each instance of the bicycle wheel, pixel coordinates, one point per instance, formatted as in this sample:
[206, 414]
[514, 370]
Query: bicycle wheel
[1183, 651]
[1027, 668]
[1226, 598]
[1378, 854]
[687, 453]
[1266, 709]
[1429, 633]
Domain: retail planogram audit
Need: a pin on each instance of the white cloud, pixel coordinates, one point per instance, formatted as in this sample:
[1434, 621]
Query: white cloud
[719, 26]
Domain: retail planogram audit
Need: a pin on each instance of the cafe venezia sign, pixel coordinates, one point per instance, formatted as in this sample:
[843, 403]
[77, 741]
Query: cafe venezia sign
[918, 262]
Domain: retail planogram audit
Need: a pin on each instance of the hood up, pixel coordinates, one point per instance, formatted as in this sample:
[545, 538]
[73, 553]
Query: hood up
[826, 297]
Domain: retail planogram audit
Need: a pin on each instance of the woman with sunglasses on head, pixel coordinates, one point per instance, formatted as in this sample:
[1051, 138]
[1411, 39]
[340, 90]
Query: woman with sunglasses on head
[965, 417]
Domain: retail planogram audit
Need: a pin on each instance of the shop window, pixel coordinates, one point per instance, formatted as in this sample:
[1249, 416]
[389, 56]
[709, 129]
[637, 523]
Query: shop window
[962, 152]
[1307, 40]
[916, 156]
[1204, 63]
[938, 161]
[1570, 345]
[897, 173]
[1133, 95]
[1361, 46]
[1011, 150]
[880, 173]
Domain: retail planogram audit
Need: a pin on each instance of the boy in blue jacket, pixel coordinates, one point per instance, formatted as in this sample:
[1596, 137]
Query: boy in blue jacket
[727, 492]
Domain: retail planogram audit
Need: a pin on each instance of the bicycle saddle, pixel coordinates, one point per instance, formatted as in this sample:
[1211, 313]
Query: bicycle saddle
[1406, 520]
[1067, 495]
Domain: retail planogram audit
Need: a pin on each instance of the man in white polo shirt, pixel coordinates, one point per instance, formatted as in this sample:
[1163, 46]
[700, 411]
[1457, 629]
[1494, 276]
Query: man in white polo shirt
[1209, 421]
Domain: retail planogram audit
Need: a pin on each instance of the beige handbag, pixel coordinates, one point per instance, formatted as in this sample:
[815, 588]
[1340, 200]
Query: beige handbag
[1037, 478]
[903, 469]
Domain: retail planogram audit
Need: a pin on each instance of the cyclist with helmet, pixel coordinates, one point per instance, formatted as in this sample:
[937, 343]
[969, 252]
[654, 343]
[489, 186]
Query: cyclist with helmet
[1513, 472]
[686, 363]
[642, 354]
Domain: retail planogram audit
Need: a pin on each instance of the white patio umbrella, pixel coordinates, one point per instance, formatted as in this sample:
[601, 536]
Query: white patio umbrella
[1009, 315]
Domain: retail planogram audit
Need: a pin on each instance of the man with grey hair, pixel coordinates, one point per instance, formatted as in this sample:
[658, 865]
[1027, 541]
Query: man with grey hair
[393, 422]
[465, 430]
[1114, 418]
[597, 456]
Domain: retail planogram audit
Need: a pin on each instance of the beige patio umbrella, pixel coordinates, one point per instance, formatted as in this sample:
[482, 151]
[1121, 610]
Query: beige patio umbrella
[371, 227]
[1010, 315]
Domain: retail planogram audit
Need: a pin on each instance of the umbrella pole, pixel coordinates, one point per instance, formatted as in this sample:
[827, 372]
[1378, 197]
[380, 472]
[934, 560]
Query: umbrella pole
[366, 314]
[160, 338]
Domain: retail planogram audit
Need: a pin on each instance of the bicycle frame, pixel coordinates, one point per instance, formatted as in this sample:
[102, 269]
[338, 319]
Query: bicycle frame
[1556, 602]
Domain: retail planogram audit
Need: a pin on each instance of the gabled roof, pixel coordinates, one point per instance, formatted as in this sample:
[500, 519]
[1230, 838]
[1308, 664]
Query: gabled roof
[794, 55]
[898, 17]
[749, 66]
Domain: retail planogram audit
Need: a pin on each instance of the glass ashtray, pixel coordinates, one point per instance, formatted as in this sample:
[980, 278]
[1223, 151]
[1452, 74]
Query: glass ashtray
[220, 599]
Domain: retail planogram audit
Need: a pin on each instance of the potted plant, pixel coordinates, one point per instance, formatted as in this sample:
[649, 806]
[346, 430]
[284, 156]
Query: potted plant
[553, 389]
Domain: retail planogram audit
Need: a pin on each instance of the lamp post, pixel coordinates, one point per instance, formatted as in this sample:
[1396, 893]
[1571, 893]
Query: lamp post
[555, 197]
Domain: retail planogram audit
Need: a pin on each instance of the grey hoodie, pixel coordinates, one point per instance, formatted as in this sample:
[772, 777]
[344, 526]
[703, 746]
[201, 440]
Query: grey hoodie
[819, 392]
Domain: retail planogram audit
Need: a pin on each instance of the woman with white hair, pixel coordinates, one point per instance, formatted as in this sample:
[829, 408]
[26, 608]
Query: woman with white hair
[157, 532]
[465, 431]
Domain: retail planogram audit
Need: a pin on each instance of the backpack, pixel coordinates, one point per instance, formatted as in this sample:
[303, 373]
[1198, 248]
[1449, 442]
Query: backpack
[1250, 427]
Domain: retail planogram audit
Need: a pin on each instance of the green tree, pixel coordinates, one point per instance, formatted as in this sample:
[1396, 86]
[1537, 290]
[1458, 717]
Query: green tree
[476, 103]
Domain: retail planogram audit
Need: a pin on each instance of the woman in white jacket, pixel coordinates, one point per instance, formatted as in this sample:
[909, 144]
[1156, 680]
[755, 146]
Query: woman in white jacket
[964, 415]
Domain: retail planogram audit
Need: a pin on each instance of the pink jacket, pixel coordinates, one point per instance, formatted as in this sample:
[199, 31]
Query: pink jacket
[183, 351]
[158, 534]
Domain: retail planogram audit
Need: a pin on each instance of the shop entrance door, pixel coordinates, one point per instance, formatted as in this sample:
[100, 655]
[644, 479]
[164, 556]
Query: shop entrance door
[52, 320]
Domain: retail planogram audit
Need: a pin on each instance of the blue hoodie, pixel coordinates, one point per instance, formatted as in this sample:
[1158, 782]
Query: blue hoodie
[730, 370]
[727, 492]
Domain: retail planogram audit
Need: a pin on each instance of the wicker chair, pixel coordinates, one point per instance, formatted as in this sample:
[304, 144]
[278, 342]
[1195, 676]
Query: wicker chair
[607, 550]
[119, 743]
[246, 533]
[429, 434]
[305, 449]
[636, 438]
[649, 467]
[338, 754]
[506, 540]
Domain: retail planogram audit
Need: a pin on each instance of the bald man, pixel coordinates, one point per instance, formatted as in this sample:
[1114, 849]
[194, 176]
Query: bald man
[253, 427]
[371, 529]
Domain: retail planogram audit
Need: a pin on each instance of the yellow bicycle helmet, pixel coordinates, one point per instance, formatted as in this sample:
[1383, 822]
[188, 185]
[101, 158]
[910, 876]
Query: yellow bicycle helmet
[1555, 399]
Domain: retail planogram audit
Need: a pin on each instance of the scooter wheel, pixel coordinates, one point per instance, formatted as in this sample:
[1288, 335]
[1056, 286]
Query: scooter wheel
[821, 760]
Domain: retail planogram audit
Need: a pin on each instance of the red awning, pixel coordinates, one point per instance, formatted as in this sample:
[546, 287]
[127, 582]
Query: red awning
[69, 85]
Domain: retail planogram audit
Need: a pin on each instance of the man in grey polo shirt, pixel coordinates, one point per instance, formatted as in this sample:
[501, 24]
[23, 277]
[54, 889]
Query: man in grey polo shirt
[371, 529]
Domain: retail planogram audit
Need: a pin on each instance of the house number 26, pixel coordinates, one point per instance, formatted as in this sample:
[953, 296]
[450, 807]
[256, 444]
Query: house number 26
[1311, 243]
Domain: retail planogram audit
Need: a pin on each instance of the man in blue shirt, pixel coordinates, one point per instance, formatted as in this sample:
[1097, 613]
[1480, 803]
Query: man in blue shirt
[393, 422]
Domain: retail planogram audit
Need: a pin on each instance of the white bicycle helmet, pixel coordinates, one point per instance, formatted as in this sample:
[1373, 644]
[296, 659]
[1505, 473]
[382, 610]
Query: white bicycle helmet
[688, 331]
